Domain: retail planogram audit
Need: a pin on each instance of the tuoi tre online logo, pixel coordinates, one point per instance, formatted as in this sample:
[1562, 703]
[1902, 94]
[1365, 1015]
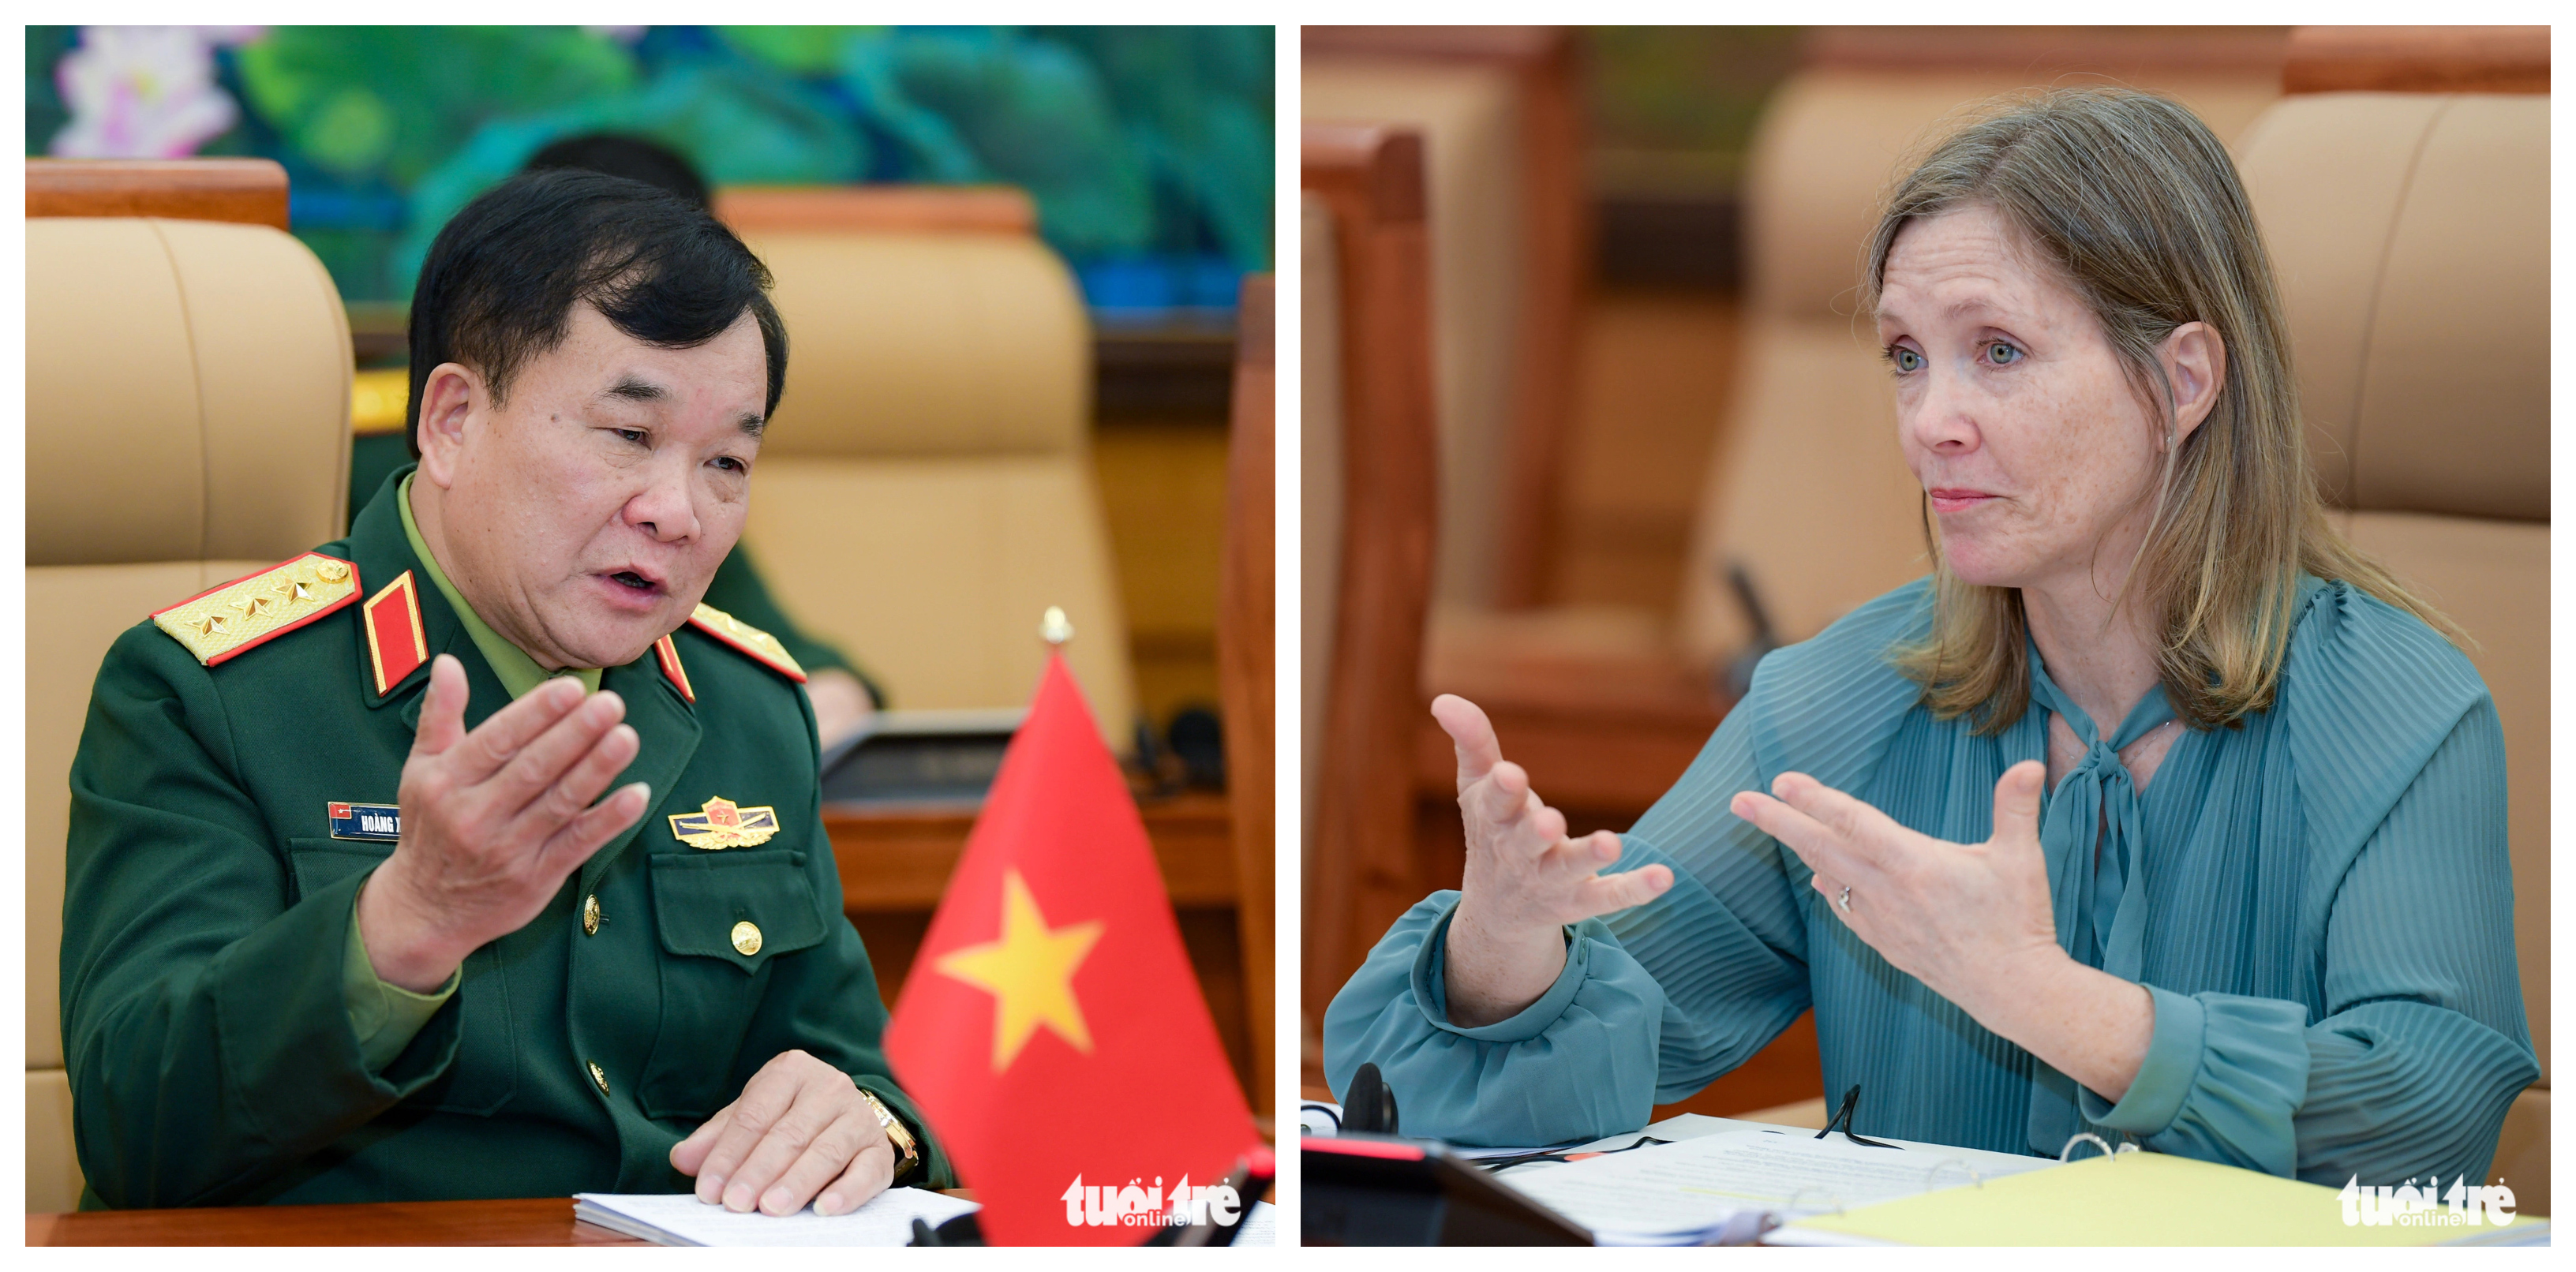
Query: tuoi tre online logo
[1136, 1206]
[2408, 1206]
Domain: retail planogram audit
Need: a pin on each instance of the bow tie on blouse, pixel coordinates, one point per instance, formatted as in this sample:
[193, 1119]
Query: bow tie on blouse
[2091, 833]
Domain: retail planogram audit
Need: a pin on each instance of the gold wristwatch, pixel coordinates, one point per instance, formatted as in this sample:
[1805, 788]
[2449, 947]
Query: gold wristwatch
[907, 1148]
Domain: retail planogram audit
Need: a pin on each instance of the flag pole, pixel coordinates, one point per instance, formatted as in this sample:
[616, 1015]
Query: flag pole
[1054, 628]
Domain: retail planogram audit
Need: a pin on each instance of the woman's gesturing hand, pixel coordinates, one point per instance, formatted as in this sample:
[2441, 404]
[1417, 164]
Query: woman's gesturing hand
[1966, 919]
[1972, 921]
[1525, 880]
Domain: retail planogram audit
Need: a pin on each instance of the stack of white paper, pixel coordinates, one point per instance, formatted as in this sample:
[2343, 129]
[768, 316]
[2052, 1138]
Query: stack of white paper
[1260, 1226]
[680, 1219]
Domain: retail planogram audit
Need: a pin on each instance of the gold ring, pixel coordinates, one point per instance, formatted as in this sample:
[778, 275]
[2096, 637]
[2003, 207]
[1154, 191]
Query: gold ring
[1845, 899]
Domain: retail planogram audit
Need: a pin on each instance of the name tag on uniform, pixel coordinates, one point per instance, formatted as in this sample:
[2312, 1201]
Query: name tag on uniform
[371, 823]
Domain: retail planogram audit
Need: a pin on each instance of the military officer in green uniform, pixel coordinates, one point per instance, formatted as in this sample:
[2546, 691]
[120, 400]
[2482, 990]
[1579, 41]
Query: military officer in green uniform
[471, 855]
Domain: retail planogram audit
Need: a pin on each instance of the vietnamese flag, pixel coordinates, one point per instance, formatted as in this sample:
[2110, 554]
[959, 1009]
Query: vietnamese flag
[1051, 1028]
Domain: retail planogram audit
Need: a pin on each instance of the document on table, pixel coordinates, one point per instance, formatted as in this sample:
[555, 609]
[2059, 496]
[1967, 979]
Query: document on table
[1260, 1226]
[2147, 1199]
[680, 1219]
[1695, 1187]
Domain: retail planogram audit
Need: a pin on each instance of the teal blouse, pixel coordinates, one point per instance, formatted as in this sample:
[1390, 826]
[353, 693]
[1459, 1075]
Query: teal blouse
[2320, 902]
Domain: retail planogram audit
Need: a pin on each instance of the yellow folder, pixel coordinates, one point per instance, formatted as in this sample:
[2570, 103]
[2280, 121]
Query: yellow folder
[2135, 1199]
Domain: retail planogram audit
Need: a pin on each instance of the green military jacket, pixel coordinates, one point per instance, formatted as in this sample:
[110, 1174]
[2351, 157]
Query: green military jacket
[207, 910]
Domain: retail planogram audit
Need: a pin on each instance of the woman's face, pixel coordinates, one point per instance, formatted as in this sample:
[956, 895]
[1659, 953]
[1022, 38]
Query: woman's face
[2014, 411]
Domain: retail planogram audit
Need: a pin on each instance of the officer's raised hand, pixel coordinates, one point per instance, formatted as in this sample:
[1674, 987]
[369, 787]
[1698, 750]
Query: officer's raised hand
[492, 821]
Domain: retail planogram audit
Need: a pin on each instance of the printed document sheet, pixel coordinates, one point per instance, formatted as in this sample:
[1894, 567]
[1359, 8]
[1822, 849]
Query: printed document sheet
[681, 1219]
[1697, 1185]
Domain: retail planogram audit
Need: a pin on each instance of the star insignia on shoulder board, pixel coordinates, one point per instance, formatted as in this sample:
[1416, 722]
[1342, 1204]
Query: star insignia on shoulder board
[295, 588]
[216, 624]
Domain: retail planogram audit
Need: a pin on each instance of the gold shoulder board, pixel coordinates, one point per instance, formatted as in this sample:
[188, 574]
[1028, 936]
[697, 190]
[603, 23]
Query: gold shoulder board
[762, 646]
[222, 622]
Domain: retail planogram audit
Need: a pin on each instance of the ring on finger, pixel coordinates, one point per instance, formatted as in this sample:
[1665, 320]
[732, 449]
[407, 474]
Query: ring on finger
[1844, 900]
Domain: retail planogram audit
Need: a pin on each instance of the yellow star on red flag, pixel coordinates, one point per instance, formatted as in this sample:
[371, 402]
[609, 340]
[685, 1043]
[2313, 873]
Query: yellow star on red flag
[1029, 972]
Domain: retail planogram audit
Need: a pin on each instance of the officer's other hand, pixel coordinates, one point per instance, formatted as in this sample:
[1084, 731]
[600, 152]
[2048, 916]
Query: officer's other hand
[492, 821]
[841, 704]
[799, 1129]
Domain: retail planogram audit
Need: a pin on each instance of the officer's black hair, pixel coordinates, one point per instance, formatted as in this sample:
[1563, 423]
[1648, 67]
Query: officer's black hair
[501, 279]
[620, 155]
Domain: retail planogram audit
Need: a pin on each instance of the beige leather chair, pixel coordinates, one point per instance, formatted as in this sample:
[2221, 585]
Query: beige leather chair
[2411, 235]
[1502, 140]
[187, 423]
[1807, 486]
[926, 489]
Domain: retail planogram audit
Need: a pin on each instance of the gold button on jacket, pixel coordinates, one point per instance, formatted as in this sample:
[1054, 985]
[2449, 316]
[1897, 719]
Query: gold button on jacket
[746, 938]
[590, 915]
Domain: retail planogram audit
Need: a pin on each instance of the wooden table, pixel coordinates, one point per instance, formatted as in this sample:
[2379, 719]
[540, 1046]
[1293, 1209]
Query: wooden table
[898, 860]
[530, 1221]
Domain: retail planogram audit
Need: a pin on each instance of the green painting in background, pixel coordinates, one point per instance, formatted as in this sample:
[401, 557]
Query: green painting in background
[1147, 149]
[1672, 109]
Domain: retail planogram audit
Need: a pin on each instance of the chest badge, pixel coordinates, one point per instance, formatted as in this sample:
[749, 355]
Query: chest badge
[366, 823]
[722, 823]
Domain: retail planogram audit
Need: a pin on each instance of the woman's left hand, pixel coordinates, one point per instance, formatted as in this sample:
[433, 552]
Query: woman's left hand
[1969, 920]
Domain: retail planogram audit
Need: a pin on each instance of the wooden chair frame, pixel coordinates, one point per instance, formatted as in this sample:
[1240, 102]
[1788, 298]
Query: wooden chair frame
[1247, 666]
[1360, 874]
[247, 191]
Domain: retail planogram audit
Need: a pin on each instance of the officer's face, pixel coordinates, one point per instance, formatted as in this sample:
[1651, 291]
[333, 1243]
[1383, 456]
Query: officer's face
[586, 513]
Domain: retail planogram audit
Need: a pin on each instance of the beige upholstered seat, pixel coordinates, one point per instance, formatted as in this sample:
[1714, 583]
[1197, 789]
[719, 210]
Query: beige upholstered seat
[1808, 488]
[1500, 112]
[187, 423]
[2411, 235]
[926, 489]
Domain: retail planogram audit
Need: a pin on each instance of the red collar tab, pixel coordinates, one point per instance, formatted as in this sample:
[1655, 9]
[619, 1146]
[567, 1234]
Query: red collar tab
[396, 646]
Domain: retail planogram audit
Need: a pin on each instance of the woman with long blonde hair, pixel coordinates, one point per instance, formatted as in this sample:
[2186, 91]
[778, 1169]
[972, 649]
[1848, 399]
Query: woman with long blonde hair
[2158, 812]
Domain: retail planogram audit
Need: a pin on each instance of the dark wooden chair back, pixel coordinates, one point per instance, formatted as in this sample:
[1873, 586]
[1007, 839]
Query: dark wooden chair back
[2417, 59]
[1360, 872]
[249, 191]
[1247, 663]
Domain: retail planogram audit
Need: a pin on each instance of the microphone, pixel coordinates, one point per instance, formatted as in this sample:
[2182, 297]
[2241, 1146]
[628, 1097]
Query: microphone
[1369, 1107]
